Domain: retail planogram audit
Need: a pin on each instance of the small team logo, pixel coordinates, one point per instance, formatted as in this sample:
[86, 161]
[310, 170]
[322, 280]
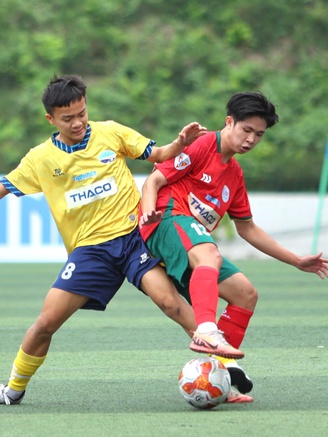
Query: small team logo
[225, 194]
[181, 161]
[107, 157]
[225, 314]
[57, 172]
[144, 257]
[206, 178]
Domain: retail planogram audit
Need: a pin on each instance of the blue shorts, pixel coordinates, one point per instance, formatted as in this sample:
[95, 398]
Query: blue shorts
[99, 271]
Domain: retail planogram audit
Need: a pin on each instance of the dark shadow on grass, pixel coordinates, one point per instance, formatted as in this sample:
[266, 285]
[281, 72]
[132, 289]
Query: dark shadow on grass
[158, 396]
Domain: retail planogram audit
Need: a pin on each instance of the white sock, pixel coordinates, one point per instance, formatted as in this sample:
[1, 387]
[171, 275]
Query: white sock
[13, 394]
[203, 328]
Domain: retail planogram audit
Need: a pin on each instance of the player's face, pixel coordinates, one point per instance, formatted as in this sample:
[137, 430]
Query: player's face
[245, 135]
[71, 121]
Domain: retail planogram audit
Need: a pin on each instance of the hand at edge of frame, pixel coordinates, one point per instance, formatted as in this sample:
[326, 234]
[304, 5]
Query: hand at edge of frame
[314, 264]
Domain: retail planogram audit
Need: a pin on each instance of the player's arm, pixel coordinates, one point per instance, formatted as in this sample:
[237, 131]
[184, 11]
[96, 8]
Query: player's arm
[3, 191]
[188, 134]
[155, 181]
[255, 236]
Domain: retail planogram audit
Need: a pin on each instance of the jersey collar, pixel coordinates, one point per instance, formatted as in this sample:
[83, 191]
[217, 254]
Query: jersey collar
[218, 140]
[76, 147]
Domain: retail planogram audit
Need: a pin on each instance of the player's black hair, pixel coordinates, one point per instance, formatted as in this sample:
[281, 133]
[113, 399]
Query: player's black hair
[62, 91]
[250, 104]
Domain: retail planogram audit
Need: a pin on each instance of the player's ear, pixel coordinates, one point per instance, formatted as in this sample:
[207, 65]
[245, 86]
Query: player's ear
[50, 118]
[229, 121]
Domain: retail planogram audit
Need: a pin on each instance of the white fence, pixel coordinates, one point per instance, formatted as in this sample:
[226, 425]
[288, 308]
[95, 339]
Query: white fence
[28, 232]
[289, 218]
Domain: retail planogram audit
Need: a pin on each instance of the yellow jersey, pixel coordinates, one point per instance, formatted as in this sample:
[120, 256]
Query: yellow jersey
[89, 188]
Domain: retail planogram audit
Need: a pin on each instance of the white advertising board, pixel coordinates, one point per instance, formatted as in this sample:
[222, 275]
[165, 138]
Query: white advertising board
[28, 232]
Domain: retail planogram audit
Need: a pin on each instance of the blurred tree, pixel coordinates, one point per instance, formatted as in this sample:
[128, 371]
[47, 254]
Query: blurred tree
[156, 66]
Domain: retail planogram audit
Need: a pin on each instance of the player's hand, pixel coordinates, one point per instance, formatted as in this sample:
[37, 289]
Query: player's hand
[190, 133]
[150, 218]
[314, 264]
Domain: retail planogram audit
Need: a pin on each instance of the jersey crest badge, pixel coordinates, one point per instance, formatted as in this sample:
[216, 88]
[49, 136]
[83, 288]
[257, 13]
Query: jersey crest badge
[107, 157]
[225, 194]
[182, 161]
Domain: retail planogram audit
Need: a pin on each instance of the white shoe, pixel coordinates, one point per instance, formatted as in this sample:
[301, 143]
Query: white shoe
[214, 343]
[5, 399]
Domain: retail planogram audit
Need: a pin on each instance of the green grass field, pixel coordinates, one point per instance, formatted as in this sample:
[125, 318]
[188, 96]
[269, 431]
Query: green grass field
[115, 373]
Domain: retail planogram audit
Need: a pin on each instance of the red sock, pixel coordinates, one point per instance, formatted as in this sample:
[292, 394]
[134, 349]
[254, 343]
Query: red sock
[233, 322]
[203, 289]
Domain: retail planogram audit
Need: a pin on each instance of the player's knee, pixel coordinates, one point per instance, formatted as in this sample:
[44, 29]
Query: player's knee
[45, 326]
[168, 304]
[251, 297]
[205, 255]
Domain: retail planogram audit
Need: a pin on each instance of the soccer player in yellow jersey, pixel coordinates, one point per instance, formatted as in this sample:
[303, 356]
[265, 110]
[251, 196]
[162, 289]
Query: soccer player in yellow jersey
[93, 198]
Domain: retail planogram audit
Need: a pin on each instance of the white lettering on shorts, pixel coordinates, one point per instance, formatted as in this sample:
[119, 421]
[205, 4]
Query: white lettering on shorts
[91, 193]
[203, 212]
[144, 257]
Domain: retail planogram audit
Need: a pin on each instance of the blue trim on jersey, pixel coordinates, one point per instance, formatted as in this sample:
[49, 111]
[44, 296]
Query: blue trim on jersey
[76, 147]
[148, 150]
[10, 187]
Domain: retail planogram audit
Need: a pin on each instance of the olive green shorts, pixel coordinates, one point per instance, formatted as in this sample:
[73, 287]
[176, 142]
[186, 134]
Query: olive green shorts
[171, 241]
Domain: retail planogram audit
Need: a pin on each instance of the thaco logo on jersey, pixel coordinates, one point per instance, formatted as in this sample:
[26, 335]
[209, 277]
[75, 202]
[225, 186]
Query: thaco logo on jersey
[182, 161]
[203, 212]
[91, 193]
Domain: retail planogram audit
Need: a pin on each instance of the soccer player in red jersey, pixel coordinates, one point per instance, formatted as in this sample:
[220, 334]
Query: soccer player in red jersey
[183, 201]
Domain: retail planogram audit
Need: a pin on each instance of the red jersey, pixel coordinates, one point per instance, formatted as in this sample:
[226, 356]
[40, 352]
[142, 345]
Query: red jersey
[202, 186]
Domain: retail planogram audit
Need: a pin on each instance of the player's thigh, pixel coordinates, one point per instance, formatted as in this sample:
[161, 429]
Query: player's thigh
[197, 241]
[238, 290]
[158, 286]
[172, 240]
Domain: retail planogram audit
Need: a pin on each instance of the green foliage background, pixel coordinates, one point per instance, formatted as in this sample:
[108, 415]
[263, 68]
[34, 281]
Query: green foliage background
[157, 65]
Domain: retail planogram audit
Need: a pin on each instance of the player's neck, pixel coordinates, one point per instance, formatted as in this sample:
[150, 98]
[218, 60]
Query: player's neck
[226, 150]
[66, 141]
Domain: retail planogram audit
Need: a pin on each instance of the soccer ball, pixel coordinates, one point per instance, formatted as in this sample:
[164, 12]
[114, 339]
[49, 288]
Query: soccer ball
[204, 382]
